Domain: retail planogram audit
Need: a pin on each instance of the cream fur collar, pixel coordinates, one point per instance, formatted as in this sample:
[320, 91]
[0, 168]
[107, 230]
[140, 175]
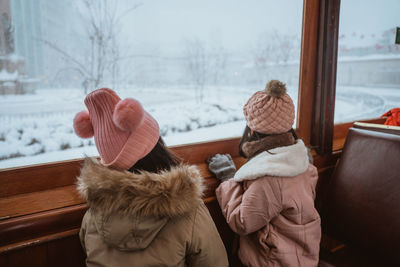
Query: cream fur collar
[286, 161]
[167, 194]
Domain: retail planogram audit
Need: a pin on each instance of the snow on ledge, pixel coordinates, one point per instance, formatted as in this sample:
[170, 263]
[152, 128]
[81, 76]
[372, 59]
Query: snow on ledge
[7, 76]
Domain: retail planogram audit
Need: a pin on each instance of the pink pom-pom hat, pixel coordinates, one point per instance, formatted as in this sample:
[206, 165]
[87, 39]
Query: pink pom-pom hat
[123, 131]
[82, 125]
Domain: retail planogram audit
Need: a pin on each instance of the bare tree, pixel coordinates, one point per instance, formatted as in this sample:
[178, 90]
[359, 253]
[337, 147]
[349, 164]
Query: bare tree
[196, 65]
[217, 59]
[274, 49]
[8, 34]
[264, 55]
[286, 44]
[102, 20]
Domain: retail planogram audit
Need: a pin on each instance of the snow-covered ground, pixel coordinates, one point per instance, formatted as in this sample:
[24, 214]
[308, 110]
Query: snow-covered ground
[38, 128]
[356, 103]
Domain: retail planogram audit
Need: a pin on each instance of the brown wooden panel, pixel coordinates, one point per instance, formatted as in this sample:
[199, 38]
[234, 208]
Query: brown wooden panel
[211, 185]
[65, 252]
[338, 144]
[239, 161]
[308, 61]
[326, 161]
[329, 243]
[18, 205]
[198, 153]
[227, 235]
[37, 178]
[40, 224]
[67, 196]
[324, 106]
[35, 256]
[203, 168]
[56, 174]
[4, 260]
[322, 186]
[37, 241]
[25, 204]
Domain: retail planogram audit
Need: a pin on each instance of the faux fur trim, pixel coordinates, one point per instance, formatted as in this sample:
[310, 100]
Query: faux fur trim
[253, 148]
[167, 194]
[287, 161]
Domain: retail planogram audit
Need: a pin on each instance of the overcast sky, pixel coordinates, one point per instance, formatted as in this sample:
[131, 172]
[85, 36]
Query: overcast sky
[236, 24]
[369, 16]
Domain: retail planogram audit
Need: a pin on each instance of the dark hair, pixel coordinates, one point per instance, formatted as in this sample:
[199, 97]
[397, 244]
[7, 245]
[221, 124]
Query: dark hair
[248, 137]
[159, 159]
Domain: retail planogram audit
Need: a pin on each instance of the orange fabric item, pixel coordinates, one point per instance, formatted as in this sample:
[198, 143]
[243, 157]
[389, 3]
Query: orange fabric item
[393, 117]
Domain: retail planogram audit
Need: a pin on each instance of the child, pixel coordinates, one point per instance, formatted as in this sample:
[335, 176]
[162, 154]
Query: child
[145, 207]
[270, 200]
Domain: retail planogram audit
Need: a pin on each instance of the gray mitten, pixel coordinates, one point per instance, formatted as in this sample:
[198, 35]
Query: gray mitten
[222, 166]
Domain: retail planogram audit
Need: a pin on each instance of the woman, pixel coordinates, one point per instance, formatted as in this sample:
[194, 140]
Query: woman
[145, 207]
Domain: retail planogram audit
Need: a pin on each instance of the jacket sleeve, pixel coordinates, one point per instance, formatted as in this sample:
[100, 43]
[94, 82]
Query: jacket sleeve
[82, 231]
[250, 210]
[206, 247]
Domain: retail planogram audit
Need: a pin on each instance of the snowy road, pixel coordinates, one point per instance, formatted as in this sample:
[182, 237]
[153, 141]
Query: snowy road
[353, 103]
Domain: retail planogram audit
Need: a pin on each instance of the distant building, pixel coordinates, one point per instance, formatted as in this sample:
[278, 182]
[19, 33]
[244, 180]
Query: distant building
[4, 19]
[11, 66]
[38, 21]
[361, 44]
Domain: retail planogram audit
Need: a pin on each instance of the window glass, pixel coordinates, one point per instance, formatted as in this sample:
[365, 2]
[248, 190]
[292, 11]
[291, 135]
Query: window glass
[368, 70]
[192, 65]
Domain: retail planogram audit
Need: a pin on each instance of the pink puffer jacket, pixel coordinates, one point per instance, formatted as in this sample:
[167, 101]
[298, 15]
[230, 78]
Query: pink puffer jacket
[270, 204]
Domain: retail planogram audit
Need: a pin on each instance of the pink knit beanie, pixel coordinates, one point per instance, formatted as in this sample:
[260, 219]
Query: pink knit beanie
[123, 131]
[270, 111]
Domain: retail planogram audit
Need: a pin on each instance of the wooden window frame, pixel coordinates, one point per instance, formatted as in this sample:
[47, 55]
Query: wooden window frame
[326, 137]
[63, 170]
[43, 198]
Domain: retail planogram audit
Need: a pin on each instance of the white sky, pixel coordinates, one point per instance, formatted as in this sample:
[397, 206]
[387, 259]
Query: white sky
[163, 25]
[369, 16]
[235, 24]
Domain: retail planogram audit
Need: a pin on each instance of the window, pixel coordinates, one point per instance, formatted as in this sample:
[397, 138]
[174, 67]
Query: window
[191, 64]
[368, 69]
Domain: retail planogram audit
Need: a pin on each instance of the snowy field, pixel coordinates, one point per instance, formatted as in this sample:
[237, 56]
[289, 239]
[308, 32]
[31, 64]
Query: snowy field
[38, 128]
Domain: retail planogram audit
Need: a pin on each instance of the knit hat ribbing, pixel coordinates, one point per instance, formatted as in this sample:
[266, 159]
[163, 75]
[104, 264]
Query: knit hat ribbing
[123, 131]
[270, 111]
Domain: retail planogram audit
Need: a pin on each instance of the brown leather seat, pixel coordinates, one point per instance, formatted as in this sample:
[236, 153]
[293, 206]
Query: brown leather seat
[362, 204]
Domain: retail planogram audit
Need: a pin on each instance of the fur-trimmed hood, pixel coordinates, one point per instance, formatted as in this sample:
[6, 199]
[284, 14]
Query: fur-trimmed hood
[129, 209]
[167, 194]
[285, 161]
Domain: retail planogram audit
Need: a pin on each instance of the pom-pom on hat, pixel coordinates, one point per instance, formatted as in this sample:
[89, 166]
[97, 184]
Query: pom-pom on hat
[270, 111]
[123, 131]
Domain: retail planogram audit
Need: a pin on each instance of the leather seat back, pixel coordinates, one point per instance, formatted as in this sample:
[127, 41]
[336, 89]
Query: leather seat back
[362, 206]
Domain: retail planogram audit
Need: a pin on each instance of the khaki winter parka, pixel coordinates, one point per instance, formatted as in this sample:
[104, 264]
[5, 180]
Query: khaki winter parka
[147, 219]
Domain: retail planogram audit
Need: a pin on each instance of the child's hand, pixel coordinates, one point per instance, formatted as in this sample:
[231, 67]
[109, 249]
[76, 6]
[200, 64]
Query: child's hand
[222, 166]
